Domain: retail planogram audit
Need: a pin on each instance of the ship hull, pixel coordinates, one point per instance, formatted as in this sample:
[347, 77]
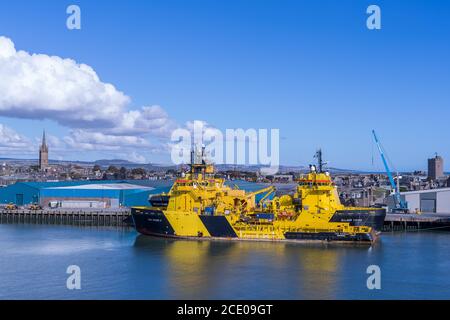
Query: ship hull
[373, 218]
[154, 222]
[331, 236]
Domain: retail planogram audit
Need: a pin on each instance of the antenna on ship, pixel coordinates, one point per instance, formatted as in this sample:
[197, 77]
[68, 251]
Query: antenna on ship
[319, 160]
[203, 154]
[192, 156]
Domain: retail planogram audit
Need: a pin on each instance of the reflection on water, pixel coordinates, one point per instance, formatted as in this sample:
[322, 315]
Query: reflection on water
[202, 269]
[120, 264]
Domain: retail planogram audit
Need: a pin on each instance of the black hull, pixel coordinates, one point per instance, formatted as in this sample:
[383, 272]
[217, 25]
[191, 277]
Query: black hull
[373, 218]
[152, 223]
[330, 236]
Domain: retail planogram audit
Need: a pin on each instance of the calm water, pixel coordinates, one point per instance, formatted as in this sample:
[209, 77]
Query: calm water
[120, 264]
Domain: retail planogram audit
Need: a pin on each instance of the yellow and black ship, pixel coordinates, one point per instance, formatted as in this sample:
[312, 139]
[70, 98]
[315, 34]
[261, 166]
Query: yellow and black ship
[201, 206]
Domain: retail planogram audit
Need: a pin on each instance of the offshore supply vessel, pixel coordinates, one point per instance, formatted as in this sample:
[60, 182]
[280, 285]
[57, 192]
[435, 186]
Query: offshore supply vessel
[201, 206]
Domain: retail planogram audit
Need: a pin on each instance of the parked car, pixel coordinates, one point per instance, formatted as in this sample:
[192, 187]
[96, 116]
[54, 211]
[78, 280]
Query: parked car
[11, 206]
[35, 206]
[54, 204]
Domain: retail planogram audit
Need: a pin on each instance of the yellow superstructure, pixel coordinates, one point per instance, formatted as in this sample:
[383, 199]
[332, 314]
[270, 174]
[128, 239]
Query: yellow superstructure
[203, 206]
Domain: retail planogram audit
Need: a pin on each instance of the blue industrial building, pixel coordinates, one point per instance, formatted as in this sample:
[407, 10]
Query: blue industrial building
[99, 194]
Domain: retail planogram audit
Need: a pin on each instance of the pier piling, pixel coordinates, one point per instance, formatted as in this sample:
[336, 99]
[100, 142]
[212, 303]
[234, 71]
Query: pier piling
[73, 217]
[415, 222]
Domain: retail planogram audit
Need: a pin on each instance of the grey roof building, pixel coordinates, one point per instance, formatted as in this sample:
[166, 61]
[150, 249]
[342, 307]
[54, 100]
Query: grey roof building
[428, 201]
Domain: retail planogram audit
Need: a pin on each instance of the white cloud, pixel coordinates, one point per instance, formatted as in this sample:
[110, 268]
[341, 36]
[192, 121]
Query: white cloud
[137, 158]
[11, 141]
[53, 141]
[203, 127]
[38, 86]
[87, 140]
[148, 120]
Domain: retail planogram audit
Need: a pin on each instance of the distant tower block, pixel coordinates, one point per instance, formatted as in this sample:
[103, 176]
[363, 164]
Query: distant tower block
[43, 154]
[435, 168]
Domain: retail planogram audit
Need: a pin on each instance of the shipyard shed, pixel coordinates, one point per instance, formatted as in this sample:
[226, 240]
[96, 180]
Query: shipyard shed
[79, 194]
[428, 201]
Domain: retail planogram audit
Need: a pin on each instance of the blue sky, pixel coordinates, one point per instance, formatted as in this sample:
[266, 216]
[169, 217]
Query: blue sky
[310, 68]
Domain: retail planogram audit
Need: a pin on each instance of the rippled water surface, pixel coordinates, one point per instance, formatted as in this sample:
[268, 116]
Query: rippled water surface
[120, 264]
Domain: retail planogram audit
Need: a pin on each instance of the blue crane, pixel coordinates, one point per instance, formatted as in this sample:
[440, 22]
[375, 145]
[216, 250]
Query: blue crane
[400, 205]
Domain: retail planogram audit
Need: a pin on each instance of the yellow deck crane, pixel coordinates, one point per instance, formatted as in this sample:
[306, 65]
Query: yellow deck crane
[266, 191]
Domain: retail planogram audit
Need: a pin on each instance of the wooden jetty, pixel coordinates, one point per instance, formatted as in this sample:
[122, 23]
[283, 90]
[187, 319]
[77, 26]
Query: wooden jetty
[121, 217]
[88, 217]
[424, 221]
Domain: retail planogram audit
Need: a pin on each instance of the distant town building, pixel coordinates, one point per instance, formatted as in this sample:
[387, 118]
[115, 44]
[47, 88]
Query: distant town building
[435, 168]
[43, 154]
[283, 178]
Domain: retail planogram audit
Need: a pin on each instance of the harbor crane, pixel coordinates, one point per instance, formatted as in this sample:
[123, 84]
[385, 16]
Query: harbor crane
[400, 205]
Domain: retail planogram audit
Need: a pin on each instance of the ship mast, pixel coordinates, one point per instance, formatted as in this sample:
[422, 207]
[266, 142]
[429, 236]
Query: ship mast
[319, 161]
[199, 164]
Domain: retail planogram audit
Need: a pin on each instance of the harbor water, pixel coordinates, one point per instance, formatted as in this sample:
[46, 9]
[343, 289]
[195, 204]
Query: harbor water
[117, 263]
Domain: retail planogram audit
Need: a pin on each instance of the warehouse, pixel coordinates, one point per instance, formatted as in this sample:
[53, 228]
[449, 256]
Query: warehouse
[79, 194]
[436, 200]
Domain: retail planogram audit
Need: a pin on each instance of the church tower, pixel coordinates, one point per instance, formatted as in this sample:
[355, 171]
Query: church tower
[43, 154]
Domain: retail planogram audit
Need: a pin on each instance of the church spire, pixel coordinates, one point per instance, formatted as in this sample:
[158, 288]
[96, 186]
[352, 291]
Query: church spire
[43, 153]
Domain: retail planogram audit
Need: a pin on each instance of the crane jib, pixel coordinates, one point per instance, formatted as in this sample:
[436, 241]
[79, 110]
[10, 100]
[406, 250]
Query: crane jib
[400, 204]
